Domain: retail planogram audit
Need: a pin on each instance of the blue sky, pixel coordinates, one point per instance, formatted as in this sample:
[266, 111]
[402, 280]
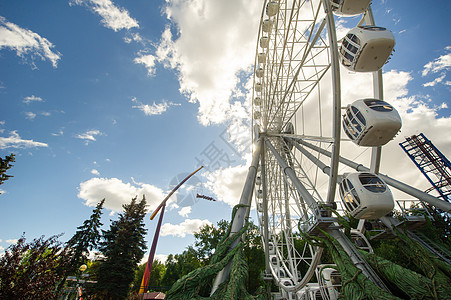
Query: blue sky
[116, 99]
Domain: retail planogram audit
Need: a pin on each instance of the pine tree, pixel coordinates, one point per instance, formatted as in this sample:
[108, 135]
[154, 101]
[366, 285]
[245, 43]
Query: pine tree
[123, 246]
[5, 164]
[85, 238]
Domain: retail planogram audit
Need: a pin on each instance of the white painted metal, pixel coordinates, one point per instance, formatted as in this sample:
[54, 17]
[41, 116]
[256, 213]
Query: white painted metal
[371, 122]
[296, 55]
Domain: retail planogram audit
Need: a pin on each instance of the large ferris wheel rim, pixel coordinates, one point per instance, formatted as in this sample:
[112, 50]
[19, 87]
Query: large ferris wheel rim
[334, 67]
[334, 140]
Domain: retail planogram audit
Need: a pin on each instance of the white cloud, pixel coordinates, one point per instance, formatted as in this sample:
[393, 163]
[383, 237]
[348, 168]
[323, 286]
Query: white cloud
[26, 42]
[148, 61]
[113, 17]
[59, 133]
[32, 98]
[29, 115]
[15, 141]
[435, 81]
[185, 211]
[227, 183]
[12, 241]
[439, 64]
[161, 257]
[135, 37]
[209, 51]
[186, 227]
[95, 172]
[117, 193]
[154, 109]
[89, 136]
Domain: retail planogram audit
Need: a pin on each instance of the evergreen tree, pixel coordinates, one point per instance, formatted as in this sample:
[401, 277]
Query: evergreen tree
[123, 246]
[5, 164]
[86, 238]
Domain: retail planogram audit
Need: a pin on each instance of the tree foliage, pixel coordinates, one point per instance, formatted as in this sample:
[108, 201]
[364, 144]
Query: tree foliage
[207, 238]
[5, 165]
[206, 241]
[123, 246]
[85, 238]
[179, 265]
[155, 278]
[31, 271]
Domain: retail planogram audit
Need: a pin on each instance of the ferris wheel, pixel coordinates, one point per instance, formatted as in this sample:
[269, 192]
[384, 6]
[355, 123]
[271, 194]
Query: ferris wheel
[298, 119]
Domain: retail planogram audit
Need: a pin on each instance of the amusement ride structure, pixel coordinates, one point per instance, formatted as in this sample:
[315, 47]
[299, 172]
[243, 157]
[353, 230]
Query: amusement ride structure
[298, 116]
[301, 177]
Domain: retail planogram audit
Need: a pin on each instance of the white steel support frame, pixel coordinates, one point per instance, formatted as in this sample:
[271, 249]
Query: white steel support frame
[301, 53]
[302, 49]
[242, 214]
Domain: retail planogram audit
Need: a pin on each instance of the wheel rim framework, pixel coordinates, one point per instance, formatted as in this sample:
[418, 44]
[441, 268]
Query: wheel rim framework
[298, 56]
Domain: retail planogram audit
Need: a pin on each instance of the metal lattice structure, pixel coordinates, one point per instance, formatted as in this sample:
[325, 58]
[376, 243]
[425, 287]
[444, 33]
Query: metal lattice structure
[431, 162]
[297, 118]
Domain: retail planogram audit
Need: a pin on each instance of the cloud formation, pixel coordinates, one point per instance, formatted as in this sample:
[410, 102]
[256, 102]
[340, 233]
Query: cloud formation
[26, 42]
[185, 211]
[113, 17]
[209, 51]
[29, 115]
[89, 136]
[15, 141]
[189, 226]
[227, 183]
[116, 193]
[154, 109]
[440, 65]
[31, 99]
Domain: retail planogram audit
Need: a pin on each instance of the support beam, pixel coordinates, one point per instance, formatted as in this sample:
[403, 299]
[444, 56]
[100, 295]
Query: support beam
[336, 116]
[289, 172]
[440, 204]
[242, 213]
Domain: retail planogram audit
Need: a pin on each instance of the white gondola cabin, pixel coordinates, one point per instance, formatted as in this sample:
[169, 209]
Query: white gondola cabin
[264, 42]
[349, 7]
[257, 115]
[267, 25]
[272, 8]
[257, 101]
[274, 260]
[365, 195]
[261, 58]
[371, 122]
[366, 48]
[271, 248]
[259, 72]
[280, 272]
[258, 87]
